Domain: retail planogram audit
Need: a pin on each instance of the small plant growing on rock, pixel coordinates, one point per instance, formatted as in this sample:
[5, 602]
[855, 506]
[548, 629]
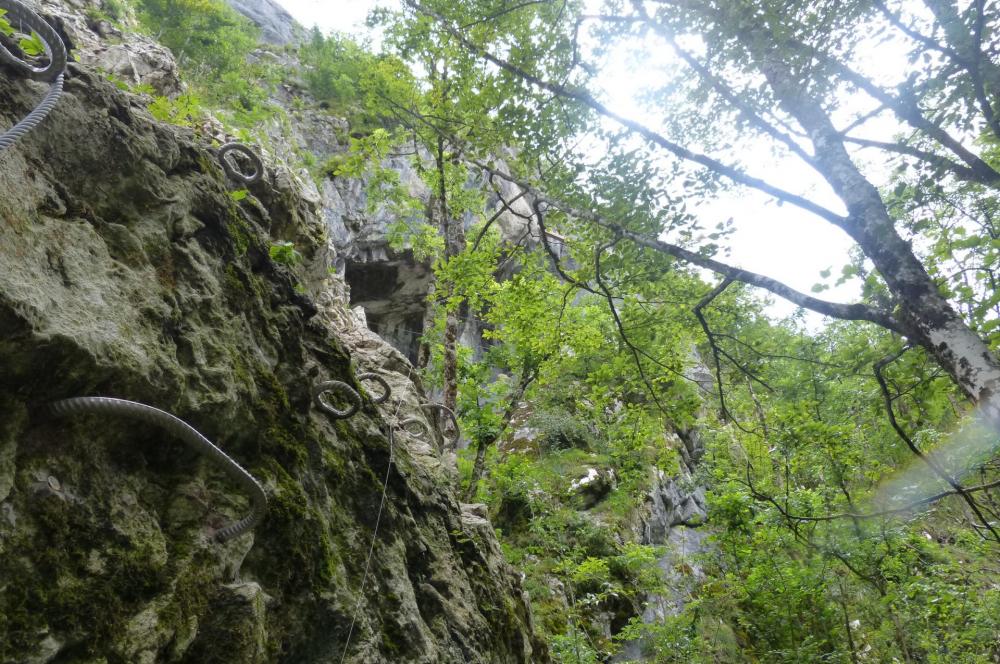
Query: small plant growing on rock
[285, 253]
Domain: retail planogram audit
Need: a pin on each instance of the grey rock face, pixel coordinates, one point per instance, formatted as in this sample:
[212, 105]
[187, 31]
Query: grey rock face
[139, 61]
[276, 25]
[127, 269]
[672, 504]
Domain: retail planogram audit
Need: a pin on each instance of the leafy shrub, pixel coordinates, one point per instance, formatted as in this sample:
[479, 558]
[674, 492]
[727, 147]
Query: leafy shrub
[212, 43]
[205, 33]
[185, 110]
[352, 82]
[559, 430]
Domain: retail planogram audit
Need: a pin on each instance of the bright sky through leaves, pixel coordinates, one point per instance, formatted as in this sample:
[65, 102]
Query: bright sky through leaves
[780, 241]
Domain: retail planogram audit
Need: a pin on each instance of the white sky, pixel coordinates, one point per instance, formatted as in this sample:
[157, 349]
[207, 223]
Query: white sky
[330, 15]
[782, 242]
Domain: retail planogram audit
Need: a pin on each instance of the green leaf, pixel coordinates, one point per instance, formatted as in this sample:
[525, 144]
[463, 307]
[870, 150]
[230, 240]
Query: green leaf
[285, 253]
[5, 27]
[33, 45]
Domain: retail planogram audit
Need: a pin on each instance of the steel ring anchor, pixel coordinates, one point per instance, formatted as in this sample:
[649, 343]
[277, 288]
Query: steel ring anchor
[346, 390]
[374, 377]
[232, 168]
[424, 431]
[453, 439]
[20, 17]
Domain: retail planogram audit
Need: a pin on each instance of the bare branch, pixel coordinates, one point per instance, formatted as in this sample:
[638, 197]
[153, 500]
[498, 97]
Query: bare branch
[723, 88]
[958, 170]
[504, 12]
[869, 515]
[505, 206]
[621, 328]
[705, 301]
[907, 110]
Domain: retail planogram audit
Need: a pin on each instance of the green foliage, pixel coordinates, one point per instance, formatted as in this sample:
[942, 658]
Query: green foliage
[212, 42]
[353, 82]
[559, 430]
[285, 253]
[185, 110]
[206, 34]
[33, 45]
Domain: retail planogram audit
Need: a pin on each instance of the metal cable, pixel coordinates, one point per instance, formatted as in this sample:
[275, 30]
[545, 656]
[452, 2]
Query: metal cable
[23, 19]
[232, 169]
[378, 521]
[188, 434]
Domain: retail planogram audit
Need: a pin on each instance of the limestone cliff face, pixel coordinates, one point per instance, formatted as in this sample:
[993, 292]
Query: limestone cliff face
[127, 269]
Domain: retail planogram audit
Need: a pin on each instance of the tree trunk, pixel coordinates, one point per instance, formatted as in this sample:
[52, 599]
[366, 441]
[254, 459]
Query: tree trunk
[482, 445]
[454, 243]
[450, 372]
[927, 318]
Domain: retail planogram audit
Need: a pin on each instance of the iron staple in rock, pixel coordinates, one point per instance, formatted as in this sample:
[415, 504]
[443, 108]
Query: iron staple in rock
[233, 170]
[337, 413]
[424, 431]
[386, 391]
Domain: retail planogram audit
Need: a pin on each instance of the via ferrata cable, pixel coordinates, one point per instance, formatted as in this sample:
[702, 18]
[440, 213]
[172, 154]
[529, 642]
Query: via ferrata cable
[24, 20]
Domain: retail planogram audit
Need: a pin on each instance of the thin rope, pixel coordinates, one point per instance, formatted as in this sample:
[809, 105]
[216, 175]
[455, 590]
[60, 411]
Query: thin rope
[378, 520]
[20, 16]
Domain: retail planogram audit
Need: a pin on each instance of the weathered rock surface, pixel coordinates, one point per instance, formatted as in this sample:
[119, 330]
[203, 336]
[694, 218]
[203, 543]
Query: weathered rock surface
[276, 25]
[127, 269]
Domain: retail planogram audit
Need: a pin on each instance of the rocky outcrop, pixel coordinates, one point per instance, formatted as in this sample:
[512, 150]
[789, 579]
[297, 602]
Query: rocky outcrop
[674, 518]
[127, 269]
[276, 25]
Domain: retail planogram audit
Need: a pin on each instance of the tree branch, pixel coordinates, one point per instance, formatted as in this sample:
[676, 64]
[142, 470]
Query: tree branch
[958, 170]
[867, 515]
[705, 301]
[906, 109]
[588, 100]
[857, 311]
[938, 470]
[723, 88]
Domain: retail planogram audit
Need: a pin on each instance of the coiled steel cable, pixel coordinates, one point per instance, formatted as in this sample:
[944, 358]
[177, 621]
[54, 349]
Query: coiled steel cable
[353, 398]
[23, 19]
[188, 434]
[386, 391]
[231, 168]
[451, 416]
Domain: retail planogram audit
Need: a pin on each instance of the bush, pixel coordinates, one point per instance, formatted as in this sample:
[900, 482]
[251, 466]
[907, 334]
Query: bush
[559, 430]
[212, 43]
[353, 82]
[208, 34]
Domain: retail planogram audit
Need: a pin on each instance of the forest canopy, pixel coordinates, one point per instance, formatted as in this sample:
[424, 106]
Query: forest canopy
[848, 522]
